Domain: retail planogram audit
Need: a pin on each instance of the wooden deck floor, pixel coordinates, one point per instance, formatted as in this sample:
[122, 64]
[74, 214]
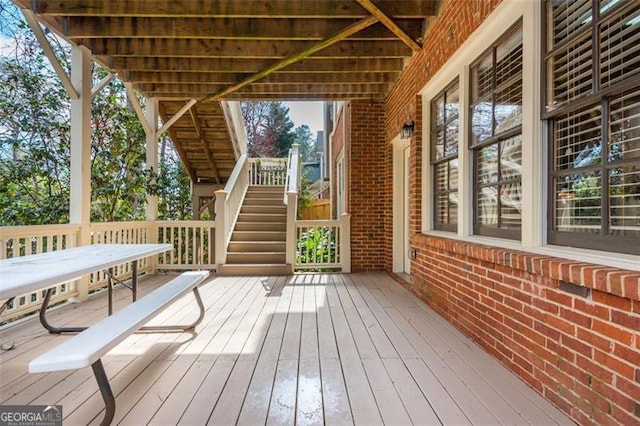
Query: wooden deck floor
[306, 349]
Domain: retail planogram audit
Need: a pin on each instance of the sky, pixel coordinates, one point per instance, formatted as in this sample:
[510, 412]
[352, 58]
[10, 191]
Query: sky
[309, 113]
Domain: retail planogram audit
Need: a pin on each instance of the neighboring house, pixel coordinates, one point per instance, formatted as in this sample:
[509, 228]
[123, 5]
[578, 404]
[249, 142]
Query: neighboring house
[513, 209]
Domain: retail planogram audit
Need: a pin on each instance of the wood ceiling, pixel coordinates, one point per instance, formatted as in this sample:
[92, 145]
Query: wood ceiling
[178, 50]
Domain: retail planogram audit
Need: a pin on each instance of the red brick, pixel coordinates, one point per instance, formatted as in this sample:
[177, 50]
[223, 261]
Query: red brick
[611, 300]
[612, 331]
[595, 340]
[628, 320]
[576, 317]
[591, 308]
[620, 367]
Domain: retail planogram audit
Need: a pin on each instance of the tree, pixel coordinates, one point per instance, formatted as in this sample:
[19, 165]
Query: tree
[35, 142]
[306, 143]
[269, 128]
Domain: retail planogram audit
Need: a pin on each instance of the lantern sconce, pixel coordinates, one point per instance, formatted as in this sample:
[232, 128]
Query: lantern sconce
[407, 130]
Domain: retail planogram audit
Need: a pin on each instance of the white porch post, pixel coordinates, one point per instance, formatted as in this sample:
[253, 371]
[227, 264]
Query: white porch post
[80, 197]
[221, 226]
[151, 116]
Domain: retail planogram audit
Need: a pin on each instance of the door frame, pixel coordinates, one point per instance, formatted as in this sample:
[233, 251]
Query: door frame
[399, 198]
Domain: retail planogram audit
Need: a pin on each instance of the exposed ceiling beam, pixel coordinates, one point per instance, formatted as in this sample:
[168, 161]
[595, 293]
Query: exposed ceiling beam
[179, 149]
[251, 48]
[176, 116]
[205, 146]
[351, 29]
[50, 54]
[194, 89]
[226, 28]
[276, 77]
[133, 98]
[278, 97]
[231, 8]
[389, 23]
[252, 65]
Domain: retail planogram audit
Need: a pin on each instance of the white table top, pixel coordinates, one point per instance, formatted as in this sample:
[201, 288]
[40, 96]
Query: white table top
[21, 275]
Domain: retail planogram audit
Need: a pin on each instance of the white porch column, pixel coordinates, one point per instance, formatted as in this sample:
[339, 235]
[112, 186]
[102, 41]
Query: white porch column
[80, 190]
[151, 116]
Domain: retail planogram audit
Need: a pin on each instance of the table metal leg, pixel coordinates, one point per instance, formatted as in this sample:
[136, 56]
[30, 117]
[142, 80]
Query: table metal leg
[45, 323]
[105, 390]
[134, 280]
[110, 290]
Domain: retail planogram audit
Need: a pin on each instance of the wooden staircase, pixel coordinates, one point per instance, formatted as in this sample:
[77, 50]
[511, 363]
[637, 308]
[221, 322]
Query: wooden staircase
[258, 242]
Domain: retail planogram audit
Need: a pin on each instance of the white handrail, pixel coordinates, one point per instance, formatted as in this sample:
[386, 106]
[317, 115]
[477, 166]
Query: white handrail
[228, 204]
[291, 201]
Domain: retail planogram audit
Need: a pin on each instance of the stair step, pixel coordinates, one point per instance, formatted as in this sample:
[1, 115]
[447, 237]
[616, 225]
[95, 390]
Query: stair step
[256, 257]
[269, 269]
[260, 201]
[246, 226]
[264, 209]
[266, 234]
[259, 217]
[257, 247]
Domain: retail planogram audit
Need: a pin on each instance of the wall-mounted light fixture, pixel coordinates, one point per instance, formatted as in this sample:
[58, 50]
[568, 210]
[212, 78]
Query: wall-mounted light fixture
[407, 130]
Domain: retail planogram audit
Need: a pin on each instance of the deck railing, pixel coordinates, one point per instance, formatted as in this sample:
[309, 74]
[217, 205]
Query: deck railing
[323, 245]
[268, 171]
[193, 248]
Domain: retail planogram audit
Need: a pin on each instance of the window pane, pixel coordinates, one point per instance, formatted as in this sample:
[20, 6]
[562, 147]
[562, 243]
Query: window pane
[508, 108]
[578, 139]
[511, 158]
[571, 73]
[451, 147]
[620, 47]
[511, 205]
[438, 106]
[453, 175]
[488, 164]
[487, 213]
[578, 203]
[624, 210]
[453, 102]
[509, 59]
[441, 209]
[482, 121]
[624, 138]
[567, 17]
[481, 79]
[438, 143]
[441, 177]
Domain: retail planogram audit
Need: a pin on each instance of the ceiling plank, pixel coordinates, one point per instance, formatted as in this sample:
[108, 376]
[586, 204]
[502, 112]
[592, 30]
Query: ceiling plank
[351, 29]
[250, 48]
[252, 65]
[389, 23]
[232, 8]
[277, 77]
[226, 28]
[205, 146]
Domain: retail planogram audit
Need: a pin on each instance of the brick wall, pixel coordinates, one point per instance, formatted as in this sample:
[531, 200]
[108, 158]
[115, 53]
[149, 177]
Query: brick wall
[570, 330]
[369, 202]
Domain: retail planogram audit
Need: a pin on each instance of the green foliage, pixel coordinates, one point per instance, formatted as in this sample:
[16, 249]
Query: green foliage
[35, 143]
[317, 245]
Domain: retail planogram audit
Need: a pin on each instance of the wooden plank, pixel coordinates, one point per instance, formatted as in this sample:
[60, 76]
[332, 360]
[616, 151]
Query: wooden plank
[231, 8]
[300, 28]
[387, 398]
[252, 65]
[357, 385]
[390, 24]
[282, 409]
[415, 403]
[335, 400]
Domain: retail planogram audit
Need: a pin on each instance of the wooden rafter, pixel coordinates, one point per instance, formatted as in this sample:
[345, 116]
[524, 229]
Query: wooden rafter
[389, 23]
[203, 142]
[179, 149]
[352, 29]
[279, 77]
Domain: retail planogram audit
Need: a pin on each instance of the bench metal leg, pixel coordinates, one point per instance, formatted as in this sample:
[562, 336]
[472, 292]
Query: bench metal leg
[196, 293]
[105, 390]
[45, 323]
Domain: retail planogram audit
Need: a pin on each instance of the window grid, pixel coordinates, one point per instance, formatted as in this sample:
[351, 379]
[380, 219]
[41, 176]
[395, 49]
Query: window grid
[496, 142]
[445, 125]
[594, 124]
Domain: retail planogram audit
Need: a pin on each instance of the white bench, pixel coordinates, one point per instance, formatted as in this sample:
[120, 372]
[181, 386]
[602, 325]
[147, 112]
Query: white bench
[88, 347]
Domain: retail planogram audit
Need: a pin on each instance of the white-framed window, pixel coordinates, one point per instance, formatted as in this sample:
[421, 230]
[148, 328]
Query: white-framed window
[444, 138]
[592, 107]
[495, 115]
